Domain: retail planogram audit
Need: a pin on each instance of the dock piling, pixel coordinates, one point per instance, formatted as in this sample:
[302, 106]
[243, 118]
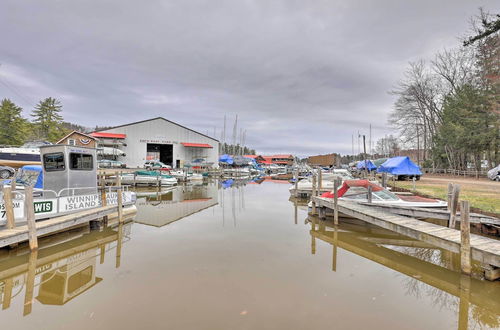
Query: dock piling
[119, 198]
[384, 179]
[465, 258]
[454, 205]
[370, 191]
[29, 210]
[313, 193]
[336, 184]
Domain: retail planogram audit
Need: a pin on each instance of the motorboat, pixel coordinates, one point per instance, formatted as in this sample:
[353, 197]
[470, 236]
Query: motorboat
[69, 175]
[148, 177]
[357, 191]
[27, 154]
[327, 181]
[494, 173]
[186, 176]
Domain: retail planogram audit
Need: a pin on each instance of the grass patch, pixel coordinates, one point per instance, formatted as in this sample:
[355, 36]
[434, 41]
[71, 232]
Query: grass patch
[478, 197]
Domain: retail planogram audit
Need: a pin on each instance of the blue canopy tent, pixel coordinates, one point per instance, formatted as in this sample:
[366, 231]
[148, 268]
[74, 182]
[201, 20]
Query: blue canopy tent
[368, 164]
[400, 166]
[226, 159]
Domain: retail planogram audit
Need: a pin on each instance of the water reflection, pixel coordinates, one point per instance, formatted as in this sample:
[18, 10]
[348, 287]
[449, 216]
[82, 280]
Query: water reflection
[63, 268]
[161, 207]
[429, 271]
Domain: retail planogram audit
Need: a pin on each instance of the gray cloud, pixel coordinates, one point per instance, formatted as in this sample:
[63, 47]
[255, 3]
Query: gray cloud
[303, 76]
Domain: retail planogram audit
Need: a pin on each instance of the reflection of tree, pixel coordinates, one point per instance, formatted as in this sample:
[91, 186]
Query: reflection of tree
[484, 317]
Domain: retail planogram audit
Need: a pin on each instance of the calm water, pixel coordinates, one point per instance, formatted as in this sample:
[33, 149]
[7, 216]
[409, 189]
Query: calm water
[238, 258]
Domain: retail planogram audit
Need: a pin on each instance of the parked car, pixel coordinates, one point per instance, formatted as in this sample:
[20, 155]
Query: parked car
[6, 172]
[156, 165]
[494, 173]
[108, 163]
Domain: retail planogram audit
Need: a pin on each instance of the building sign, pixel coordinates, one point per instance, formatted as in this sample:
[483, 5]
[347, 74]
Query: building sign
[158, 141]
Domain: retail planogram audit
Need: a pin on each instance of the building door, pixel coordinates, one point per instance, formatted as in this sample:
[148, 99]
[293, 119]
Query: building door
[161, 152]
[178, 163]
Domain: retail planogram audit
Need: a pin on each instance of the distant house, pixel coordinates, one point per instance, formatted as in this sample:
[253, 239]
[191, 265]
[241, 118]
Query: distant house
[80, 139]
[258, 158]
[279, 159]
[323, 160]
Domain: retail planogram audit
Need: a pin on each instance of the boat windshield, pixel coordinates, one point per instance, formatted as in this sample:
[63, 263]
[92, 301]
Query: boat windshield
[27, 177]
[361, 193]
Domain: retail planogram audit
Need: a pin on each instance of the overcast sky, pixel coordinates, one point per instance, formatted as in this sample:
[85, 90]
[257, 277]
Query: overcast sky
[303, 76]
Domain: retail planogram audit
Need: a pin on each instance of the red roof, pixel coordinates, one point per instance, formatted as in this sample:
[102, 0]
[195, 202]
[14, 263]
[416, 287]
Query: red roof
[251, 156]
[108, 135]
[196, 145]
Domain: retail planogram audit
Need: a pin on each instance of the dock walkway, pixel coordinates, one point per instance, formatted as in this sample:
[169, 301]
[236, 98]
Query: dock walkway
[53, 225]
[484, 250]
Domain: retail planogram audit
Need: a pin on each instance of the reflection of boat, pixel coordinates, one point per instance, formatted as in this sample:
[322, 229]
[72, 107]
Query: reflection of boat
[65, 265]
[27, 154]
[357, 191]
[180, 202]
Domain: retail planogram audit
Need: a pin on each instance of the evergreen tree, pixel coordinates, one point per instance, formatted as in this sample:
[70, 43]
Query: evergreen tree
[47, 120]
[12, 124]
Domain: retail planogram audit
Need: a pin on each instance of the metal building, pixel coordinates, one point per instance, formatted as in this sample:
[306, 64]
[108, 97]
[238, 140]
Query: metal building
[158, 139]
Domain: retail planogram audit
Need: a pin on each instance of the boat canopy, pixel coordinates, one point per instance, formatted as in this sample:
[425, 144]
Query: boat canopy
[351, 184]
[366, 163]
[226, 159]
[30, 175]
[401, 165]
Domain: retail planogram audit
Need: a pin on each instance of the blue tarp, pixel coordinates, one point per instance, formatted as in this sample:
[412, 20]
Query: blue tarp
[226, 159]
[361, 165]
[227, 183]
[30, 176]
[399, 166]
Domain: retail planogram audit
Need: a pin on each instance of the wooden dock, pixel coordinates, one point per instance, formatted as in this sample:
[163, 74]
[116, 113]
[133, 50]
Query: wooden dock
[484, 250]
[51, 226]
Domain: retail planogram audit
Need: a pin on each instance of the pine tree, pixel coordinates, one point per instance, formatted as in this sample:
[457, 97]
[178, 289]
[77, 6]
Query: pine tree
[12, 124]
[47, 120]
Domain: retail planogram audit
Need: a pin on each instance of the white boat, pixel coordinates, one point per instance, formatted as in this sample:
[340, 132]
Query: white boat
[181, 175]
[110, 151]
[69, 185]
[357, 191]
[148, 178]
[27, 154]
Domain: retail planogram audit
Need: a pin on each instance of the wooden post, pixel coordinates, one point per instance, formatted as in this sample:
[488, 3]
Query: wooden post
[119, 198]
[119, 246]
[454, 206]
[414, 184]
[320, 181]
[297, 186]
[30, 282]
[102, 254]
[13, 184]
[313, 239]
[9, 207]
[370, 194]
[334, 254]
[450, 193]
[7, 293]
[313, 193]
[135, 179]
[29, 212]
[384, 179]
[335, 201]
[463, 307]
[465, 255]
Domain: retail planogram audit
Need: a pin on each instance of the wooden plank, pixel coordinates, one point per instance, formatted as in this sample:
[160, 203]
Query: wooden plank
[465, 261]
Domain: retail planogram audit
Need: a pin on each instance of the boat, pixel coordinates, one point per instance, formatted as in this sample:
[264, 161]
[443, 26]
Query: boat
[110, 151]
[148, 177]
[186, 176]
[326, 182]
[357, 191]
[69, 175]
[27, 154]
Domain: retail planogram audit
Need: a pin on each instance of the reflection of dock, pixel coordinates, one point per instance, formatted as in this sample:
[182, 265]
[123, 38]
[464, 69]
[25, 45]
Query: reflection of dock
[178, 203]
[485, 250]
[354, 239]
[64, 270]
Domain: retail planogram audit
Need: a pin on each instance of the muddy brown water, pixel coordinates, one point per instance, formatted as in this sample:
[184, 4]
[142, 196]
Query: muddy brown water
[243, 257]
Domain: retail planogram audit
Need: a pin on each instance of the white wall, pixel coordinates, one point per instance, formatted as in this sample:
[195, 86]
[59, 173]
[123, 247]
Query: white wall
[164, 132]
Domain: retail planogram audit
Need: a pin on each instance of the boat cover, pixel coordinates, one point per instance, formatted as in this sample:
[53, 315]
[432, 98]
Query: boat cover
[353, 183]
[152, 173]
[27, 175]
[401, 165]
[226, 159]
[361, 165]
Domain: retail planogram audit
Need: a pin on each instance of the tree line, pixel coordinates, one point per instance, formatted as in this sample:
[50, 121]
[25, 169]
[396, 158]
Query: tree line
[449, 107]
[46, 122]
[237, 149]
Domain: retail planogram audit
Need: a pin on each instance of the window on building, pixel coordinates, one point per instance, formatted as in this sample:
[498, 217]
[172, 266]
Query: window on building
[54, 162]
[71, 142]
[81, 162]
